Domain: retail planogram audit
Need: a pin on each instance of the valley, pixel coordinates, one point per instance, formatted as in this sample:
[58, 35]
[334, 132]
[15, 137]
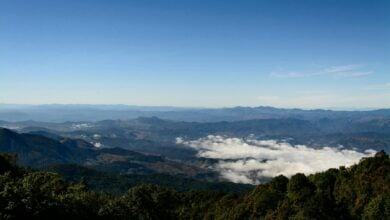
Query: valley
[151, 145]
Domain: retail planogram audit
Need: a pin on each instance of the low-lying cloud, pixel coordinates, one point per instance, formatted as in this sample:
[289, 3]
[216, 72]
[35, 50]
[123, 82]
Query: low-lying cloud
[250, 160]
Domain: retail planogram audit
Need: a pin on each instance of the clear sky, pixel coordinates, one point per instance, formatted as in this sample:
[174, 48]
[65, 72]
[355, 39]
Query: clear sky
[306, 54]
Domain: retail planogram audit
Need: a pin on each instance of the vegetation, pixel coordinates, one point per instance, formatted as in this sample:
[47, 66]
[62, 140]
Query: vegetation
[358, 192]
[40, 151]
[100, 181]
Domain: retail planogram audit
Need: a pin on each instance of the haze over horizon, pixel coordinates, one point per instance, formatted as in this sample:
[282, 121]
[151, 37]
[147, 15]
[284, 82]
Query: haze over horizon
[15, 106]
[289, 54]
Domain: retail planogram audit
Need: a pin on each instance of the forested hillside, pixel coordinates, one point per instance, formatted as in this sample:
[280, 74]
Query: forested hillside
[358, 192]
[39, 151]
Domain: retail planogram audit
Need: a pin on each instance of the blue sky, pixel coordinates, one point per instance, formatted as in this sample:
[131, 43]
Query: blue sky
[308, 54]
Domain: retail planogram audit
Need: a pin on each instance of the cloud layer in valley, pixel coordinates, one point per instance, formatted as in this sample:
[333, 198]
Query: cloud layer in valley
[250, 160]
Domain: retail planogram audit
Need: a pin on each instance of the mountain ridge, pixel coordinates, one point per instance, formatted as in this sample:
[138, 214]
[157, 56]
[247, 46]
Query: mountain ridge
[39, 151]
[62, 113]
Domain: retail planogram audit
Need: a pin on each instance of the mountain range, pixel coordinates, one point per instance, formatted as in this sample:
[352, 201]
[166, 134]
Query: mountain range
[62, 113]
[39, 151]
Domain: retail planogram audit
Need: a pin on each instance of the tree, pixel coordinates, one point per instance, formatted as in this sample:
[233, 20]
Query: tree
[378, 208]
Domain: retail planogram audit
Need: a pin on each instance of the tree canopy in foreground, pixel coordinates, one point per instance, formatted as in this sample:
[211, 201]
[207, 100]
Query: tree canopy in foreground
[361, 191]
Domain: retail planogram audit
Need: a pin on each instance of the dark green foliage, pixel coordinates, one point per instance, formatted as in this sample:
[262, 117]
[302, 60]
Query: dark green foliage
[299, 188]
[262, 200]
[7, 163]
[358, 192]
[378, 208]
[118, 184]
[143, 202]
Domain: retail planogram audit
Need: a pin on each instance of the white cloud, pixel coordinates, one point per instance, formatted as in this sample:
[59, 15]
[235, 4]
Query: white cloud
[384, 86]
[344, 68]
[250, 160]
[287, 75]
[98, 145]
[269, 98]
[352, 74]
[81, 126]
[343, 71]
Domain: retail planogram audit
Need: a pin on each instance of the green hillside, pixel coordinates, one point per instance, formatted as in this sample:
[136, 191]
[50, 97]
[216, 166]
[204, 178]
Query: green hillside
[358, 192]
[39, 151]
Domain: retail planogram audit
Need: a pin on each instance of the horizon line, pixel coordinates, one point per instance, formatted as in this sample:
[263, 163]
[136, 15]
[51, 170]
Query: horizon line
[198, 107]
